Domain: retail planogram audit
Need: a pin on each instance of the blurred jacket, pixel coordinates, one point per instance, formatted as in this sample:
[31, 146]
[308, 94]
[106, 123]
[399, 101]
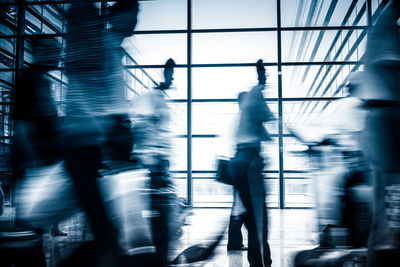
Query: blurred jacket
[254, 113]
[152, 125]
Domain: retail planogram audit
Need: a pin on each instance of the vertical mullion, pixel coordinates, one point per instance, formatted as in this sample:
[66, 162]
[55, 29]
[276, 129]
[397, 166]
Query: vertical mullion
[19, 64]
[280, 111]
[19, 56]
[189, 104]
[369, 13]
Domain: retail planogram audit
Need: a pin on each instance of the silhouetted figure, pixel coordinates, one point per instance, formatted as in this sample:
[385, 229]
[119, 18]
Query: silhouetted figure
[35, 114]
[154, 148]
[94, 101]
[247, 170]
[354, 184]
[37, 127]
[381, 136]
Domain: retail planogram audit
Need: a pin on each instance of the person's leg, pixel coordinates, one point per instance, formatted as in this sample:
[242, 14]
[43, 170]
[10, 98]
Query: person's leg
[240, 173]
[257, 191]
[160, 229]
[82, 165]
[235, 238]
[254, 251]
[160, 206]
[267, 251]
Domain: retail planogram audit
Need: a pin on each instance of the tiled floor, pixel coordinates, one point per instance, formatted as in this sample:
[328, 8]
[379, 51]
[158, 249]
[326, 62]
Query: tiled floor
[290, 231]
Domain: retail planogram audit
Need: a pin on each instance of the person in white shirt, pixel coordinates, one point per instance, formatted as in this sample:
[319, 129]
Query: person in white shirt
[247, 167]
[153, 145]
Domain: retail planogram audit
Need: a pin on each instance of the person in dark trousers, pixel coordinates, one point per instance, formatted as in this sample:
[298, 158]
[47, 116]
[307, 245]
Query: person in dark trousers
[235, 238]
[247, 170]
[37, 126]
[94, 99]
[154, 146]
[35, 114]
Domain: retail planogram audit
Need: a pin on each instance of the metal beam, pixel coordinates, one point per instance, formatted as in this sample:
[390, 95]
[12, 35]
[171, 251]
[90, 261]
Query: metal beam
[137, 79]
[369, 12]
[43, 20]
[335, 39]
[357, 19]
[359, 16]
[145, 73]
[6, 83]
[355, 68]
[19, 63]
[321, 35]
[304, 36]
[230, 65]
[189, 104]
[280, 110]
[328, 86]
[269, 99]
[297, 22]
[227, 30]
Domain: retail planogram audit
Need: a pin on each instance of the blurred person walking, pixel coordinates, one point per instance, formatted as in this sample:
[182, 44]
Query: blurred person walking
[381, 136]
[247, 170]
[37, 126]
[153, 144]
[94, 101]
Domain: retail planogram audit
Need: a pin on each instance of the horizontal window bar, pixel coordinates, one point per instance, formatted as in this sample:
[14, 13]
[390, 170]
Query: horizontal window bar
[226, 65]
[265, 178]
[272, 99]
[223, 30]
[321, 63]
[49, 2]
[258, 29]
[213, 171]
[197, 136]
[254, 29]
[216, 135]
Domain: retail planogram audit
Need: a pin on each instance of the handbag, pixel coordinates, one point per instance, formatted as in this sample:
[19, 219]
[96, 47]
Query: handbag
[224, 171]
[126, 200]
[45, 196]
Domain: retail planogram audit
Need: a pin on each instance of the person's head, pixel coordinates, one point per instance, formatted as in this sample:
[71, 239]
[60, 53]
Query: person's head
[46, 51]
[262, 77]
[123, 17]
[169, 72]
[241, 98]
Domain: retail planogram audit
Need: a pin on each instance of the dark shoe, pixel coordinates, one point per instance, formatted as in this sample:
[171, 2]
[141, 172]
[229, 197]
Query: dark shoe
[57, 232]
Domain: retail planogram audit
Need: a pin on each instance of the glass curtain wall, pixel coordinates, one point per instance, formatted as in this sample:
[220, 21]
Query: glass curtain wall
[308, 47]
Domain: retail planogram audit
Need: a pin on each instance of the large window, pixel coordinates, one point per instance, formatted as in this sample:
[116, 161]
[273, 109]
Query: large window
[308, 46]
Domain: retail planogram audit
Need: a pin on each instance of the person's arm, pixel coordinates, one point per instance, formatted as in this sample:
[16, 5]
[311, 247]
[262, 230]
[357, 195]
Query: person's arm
[260, 109]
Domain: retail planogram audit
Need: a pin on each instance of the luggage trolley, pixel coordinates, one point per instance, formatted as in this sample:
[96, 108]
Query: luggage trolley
[338, 193]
